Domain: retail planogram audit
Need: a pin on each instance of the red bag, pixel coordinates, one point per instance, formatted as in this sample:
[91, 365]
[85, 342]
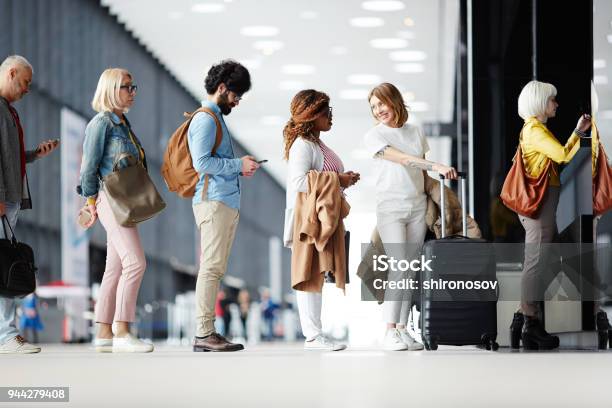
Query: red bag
[522, 193]
[602, 184]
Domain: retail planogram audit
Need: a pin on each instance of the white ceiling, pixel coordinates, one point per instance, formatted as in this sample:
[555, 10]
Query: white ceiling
[317, 33]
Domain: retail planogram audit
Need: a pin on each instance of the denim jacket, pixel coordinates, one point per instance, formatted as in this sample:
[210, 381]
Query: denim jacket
[105, 139]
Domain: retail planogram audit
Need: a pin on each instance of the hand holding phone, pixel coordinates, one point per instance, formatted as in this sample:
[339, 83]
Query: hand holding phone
[46, 147]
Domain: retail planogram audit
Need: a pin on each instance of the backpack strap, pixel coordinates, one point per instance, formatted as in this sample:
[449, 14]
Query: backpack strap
[218, 138]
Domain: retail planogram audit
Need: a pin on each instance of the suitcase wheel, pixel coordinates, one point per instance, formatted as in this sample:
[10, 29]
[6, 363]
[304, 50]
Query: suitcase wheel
[430, 344]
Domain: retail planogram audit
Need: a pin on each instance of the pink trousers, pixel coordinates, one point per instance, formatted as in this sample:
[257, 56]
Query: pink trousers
[125, 266]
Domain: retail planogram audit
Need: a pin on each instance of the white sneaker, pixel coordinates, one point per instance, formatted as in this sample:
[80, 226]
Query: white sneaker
[130, 344]
[18, 345]
[103, 345]
[323, 343]
[393, 341]
[412, 344]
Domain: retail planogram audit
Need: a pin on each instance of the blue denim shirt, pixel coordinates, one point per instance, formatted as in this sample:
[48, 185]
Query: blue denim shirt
[105, 139]
[223, 169]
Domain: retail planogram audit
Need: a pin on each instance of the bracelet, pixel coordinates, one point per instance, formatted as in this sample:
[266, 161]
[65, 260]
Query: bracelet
[581, 133]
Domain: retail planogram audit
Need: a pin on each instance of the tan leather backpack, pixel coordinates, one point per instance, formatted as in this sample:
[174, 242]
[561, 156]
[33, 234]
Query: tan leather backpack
[177, 167]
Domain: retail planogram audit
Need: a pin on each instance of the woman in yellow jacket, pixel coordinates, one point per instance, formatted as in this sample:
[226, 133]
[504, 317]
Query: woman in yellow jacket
[537, 104]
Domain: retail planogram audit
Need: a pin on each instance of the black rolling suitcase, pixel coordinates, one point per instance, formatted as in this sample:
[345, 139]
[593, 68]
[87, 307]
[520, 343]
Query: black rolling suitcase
[453, 311]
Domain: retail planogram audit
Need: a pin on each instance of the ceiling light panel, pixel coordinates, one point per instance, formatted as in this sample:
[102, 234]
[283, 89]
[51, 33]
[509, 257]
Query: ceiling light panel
[383, 5]
[208, 8]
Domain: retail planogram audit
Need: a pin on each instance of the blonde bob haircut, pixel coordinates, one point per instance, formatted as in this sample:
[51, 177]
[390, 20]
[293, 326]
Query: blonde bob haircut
[533, 99]
[391, 96]
[106, 98]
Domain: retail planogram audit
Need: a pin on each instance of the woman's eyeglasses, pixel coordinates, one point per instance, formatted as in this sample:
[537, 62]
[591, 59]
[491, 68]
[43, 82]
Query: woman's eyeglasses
[129, 88]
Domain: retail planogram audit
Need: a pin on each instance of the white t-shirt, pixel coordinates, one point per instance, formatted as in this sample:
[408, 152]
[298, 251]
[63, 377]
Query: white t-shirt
[398, 187]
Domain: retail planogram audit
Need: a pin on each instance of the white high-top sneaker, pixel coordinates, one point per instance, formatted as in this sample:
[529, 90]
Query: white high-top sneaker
[130, 344]
[412, 344]
[393, 341]
[323, 343]
[103, 345]
[18, 345]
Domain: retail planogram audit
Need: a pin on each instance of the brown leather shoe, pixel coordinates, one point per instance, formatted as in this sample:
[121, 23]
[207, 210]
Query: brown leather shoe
[215, 342]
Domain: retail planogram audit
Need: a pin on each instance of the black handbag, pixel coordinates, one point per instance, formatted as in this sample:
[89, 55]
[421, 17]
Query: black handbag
[17, 270]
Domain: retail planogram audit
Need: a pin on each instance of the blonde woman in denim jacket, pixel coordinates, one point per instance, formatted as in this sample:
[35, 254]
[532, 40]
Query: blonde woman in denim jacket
[108, 135]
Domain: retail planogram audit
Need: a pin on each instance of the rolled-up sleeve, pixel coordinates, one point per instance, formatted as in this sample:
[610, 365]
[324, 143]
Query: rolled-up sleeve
[201, 137]
[93, 149]
[374, 142]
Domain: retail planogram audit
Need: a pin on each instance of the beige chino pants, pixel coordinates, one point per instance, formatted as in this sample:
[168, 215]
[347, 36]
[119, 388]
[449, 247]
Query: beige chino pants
[217, 224]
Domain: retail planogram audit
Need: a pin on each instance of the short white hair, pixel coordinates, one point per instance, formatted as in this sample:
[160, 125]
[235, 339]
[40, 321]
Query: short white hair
[534, 97]
[13, 61]
[106, 98]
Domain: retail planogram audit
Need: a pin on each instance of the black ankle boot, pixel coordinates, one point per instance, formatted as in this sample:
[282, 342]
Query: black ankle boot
[603, 330]
[536, 338]
[516, 328]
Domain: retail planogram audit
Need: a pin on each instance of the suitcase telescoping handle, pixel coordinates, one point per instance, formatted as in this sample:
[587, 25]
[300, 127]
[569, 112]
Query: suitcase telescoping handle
[462, 176]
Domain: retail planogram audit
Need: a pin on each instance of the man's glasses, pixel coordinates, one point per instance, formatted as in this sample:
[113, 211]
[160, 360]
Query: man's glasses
[237, 98]
[129, 88]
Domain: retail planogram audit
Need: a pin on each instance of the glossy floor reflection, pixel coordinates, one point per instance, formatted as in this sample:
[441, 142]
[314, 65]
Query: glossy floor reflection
[285, 376]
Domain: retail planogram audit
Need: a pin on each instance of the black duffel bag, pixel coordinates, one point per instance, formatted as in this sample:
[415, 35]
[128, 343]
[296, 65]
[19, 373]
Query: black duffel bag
[17, 270]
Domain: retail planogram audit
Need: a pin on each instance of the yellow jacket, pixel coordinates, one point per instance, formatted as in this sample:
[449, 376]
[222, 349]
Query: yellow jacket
[539, 146]
[594, 146]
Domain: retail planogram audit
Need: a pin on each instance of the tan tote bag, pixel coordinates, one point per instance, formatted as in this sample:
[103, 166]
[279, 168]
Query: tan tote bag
[131, 193]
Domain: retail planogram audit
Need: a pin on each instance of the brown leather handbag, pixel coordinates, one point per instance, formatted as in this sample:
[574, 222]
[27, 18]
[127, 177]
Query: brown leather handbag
[522, 193]
[131, 193]
[602, 184]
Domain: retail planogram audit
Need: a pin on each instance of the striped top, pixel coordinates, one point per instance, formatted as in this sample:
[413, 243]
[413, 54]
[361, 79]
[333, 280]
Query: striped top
[331, 161]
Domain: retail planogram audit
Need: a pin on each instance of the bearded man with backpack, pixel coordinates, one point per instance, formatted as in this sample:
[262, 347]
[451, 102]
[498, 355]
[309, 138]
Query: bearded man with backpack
[210, 174]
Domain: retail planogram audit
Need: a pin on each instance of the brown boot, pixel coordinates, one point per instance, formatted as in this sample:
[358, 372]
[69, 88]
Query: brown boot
[215, 342]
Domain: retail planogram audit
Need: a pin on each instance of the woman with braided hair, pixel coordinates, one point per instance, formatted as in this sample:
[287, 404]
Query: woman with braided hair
[305, 151]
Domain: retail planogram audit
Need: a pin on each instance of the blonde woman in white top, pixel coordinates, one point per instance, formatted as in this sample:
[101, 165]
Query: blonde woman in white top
[399, 151]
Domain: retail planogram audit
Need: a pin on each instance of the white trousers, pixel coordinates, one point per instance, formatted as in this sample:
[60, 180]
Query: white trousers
[402, 234]
[309, 307]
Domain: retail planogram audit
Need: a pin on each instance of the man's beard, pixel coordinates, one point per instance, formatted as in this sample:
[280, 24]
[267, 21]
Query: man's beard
[224, 105]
